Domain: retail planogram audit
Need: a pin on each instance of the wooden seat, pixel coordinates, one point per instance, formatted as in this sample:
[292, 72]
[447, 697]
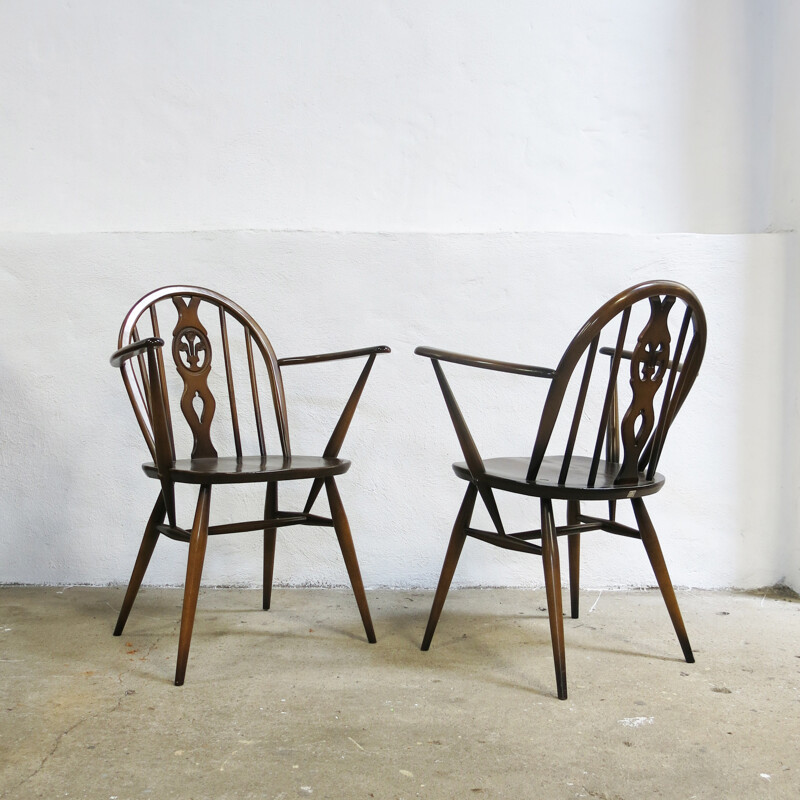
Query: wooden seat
[212, 331]
[511, 474]
[664, 349]
[250, 469]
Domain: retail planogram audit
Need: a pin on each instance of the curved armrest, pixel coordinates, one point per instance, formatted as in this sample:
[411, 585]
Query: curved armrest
[315, 359]
[135, 349]
[485, 363]
[342, 426]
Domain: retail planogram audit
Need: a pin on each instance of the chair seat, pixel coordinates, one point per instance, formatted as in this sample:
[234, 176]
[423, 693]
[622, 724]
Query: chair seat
[509, 474]
[250, 469]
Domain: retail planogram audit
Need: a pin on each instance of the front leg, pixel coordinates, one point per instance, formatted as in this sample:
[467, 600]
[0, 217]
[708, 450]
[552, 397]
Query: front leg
[194, 571]
[342, 528]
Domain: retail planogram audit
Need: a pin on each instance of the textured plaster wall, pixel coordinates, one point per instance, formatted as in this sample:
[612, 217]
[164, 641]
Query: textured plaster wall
[75, 500]
[385, 116]
[452, 131]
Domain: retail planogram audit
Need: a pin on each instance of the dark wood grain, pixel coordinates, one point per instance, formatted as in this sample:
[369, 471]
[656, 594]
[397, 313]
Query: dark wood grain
[270, 535]
[203, 316]
[634, 417]
[457, 539]
[485, 363]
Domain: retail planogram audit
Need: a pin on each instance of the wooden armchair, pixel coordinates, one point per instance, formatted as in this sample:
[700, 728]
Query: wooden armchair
[659, 379]
[140, 357]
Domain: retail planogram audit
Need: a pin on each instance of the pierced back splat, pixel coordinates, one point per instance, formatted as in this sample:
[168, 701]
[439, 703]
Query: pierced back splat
[191, 351]
[202, 314]
[648, 367]
[653, 365]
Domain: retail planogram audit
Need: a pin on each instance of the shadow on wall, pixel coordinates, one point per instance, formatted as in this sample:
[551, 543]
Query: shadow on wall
[789, 467]
[729, 110]
[768, 417]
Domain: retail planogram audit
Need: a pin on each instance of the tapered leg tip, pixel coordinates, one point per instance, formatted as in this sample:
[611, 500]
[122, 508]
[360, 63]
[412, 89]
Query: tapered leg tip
[117, 631]
[371, 638]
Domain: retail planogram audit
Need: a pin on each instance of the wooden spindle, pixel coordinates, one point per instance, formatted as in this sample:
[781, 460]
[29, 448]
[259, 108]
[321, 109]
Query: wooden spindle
[254, 387]
[610, 401]
[223, 326]
[576, 417]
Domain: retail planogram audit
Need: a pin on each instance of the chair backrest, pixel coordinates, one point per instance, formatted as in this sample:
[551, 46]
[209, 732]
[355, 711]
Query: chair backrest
[195, 317]
[651, 316]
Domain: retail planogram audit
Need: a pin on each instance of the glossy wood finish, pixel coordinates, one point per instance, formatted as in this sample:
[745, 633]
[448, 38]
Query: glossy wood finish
[249, 469]
[653, 548]
[662, 366]
[574, 541]
[552, 583]
[342, 528]
[457, 539]
[202, 318]
[194, 571]
[270, 537]
[146, 549]
[510, 474]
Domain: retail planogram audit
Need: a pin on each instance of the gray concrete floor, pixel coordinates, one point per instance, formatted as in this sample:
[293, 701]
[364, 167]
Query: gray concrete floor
[293, 702]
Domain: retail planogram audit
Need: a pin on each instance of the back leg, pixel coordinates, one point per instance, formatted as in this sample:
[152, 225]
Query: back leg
[457, 539]
[270, 511]
[574, 540]
[142, 560]
[653, 548]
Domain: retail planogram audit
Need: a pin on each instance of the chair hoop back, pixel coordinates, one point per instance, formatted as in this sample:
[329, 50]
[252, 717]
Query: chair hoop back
[190, 349]
[660, 377]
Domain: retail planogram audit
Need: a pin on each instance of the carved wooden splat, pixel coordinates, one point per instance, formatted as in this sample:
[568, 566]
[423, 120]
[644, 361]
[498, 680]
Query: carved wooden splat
[648, 367]
[191, 350]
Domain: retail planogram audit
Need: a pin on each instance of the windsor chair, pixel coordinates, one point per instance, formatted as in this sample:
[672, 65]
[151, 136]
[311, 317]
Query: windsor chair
[659, 382]
[194, 311]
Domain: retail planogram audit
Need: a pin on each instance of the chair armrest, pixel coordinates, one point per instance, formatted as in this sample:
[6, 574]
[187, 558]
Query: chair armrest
[485, 363]
[135, 349]
[315, 359]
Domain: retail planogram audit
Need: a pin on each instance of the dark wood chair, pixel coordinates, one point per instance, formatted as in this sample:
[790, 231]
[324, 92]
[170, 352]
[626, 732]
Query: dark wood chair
[194, 312]
[660, 377]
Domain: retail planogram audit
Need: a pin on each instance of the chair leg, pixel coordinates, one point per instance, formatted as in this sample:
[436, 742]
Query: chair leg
[457, 539]
[573, 513]
[342, 528]
[653, 548]
[552, 582]
[142, 560]
[194, 571]
[270, 510]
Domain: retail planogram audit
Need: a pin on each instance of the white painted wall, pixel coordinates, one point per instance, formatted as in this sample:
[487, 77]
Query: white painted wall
[76, 501]
[385, 116]
[628, 118]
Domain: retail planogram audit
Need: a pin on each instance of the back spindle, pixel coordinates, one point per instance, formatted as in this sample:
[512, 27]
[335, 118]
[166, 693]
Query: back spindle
[576, 417]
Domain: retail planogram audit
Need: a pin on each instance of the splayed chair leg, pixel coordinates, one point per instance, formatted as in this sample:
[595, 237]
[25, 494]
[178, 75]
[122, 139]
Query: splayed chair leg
[142, 560]
[342, 528]
[457, 539]
[573, 514]
[194, 571]
[270, 510]
[552, 582]
[653, 548]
